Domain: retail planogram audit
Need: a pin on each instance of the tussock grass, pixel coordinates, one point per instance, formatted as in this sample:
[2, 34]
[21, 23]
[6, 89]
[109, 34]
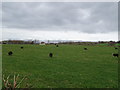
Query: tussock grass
[13, 83]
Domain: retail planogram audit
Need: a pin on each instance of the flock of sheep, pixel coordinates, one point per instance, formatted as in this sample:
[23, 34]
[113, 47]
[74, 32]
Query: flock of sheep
[51, 54]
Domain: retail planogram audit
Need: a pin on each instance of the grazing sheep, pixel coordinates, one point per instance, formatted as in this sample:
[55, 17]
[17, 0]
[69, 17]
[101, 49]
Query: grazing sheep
[116, 48]
[85, 49]
[115, 54]
[10, 53]
[21, 47]
[51, 55]
[57, 46]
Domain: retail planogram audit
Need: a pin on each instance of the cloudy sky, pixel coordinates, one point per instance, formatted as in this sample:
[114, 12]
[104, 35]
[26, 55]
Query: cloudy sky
[87, 21]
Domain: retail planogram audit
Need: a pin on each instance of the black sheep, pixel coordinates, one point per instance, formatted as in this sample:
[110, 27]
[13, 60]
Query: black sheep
[85, 49]
[57, 46]
[51, 55]
[21, 47]
[10, 53]
[115, 54]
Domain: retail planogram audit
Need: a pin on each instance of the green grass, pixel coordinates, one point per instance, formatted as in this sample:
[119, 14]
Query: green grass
[71, 66]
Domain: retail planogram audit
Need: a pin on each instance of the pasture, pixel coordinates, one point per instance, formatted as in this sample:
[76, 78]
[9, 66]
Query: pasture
[70, 67]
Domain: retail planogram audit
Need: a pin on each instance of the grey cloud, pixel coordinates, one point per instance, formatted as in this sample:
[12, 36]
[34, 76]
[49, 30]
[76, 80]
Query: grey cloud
[87, 17]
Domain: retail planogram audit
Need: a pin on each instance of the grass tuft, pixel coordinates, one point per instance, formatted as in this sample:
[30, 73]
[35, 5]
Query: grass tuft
[14, 83]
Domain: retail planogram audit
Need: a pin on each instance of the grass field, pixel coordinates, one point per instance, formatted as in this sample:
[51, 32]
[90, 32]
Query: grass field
[71, 66]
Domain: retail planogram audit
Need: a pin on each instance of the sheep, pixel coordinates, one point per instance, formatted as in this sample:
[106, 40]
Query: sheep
[51, 55]
[85, 49]
[57, 46]
[115, 54]
[21, 47]
[116, 48]
[10, 53]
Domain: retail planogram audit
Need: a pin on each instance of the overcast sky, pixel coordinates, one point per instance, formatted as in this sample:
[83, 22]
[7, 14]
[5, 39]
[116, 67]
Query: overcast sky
[87, 21]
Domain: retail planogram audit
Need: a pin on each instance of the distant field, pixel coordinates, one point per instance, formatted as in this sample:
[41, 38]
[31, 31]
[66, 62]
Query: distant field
[71, 66]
